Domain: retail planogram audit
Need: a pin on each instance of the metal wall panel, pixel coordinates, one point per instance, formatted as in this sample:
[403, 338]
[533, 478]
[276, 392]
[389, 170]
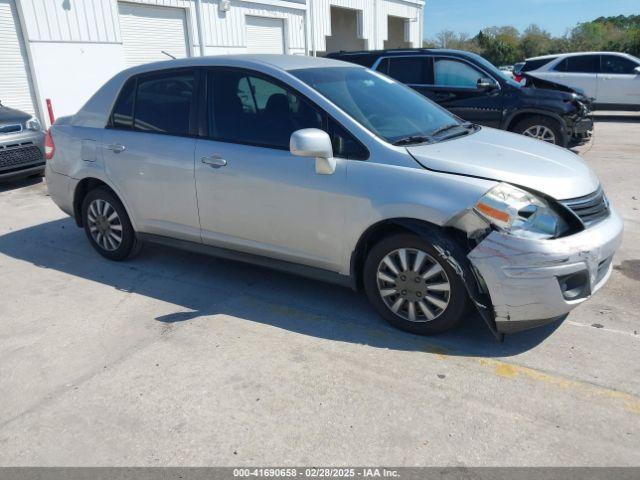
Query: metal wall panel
[15, 80]
[265, 35]
[96, 21]
[228, 29]
[373, 24]
[412, 12]
[91, 21]
[149, 30]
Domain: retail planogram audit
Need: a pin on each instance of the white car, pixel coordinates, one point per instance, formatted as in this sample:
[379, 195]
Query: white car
[612, 79]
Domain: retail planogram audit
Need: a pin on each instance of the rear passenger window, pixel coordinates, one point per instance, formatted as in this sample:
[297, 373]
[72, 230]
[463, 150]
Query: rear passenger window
[252, 110]
[409, 70]
[579, 64]
[163, 103]
[122, 116]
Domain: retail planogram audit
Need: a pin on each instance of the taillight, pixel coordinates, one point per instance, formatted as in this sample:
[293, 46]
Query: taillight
[49, 146]
[517, 78]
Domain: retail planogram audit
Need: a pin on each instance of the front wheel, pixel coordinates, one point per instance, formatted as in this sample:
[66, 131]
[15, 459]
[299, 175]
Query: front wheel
[413, 286]
[542, 128]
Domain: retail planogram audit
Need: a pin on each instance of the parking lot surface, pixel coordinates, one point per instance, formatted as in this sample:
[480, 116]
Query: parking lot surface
[178, 359]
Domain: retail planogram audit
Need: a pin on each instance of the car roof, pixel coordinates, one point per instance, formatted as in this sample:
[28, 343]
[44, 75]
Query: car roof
[574, 54]
[95, 111]
[283, 62]
[402, 51]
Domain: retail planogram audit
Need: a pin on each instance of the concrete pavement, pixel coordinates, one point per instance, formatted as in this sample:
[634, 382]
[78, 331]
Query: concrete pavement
[178, 359]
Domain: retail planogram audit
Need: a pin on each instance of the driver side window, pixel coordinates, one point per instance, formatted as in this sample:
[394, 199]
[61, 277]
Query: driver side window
[452, 73]
[252, 110]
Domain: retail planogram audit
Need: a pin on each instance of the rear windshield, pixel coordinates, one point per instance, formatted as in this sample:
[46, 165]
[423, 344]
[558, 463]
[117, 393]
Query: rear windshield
[531, 65]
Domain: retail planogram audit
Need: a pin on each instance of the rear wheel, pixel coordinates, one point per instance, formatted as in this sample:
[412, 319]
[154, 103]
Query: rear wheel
[107, 225]
[412, 285]
[542, 128]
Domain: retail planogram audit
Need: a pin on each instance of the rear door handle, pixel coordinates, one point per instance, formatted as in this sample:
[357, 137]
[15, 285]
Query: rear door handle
[214, 161]
[116, 147]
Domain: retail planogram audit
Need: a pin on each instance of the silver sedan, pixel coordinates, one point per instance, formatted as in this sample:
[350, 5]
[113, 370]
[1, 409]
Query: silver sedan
[330, 170]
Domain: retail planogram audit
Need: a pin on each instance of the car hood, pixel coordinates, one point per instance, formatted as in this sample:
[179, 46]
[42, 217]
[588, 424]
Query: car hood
[10, 115]
[549, 94]
[508, 157]
[549, 86]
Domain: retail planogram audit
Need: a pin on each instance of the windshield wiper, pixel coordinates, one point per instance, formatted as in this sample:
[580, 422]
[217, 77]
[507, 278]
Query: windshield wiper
[451, 126]
[446, 128]
[467, 127]
[412, 139]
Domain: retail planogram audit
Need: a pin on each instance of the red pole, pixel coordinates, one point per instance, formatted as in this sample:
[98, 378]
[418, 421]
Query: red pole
[52, 119]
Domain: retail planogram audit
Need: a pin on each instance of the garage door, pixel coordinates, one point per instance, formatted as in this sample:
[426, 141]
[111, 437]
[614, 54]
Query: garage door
[147, 31]
[265, 35]
[15, 82]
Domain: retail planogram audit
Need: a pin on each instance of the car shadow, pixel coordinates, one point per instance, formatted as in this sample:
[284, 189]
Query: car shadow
[7, 185]
[201, 286]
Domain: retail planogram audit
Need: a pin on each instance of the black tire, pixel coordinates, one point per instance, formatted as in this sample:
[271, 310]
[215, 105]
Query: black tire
[129, 245]
[458, 298]
[552, 124]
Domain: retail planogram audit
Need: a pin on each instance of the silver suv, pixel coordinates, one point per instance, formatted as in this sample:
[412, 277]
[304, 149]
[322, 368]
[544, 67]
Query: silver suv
[330, 170]
[21, 144]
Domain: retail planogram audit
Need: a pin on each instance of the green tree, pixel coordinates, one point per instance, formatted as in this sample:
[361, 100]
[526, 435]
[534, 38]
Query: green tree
[505, 45]
[535, 41]
[500, 45]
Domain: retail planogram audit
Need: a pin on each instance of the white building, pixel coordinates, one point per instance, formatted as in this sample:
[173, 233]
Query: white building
[63, 50]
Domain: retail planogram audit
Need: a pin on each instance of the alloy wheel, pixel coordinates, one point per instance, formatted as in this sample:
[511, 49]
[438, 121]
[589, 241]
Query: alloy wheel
[413, 285]
[541, 133]
[105, 225]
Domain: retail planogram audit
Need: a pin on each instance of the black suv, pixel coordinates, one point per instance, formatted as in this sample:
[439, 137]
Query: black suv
[471, 87]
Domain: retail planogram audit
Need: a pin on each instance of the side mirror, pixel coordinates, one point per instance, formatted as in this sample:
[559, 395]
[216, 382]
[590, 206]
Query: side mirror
[312, 142]
[637, 70]
[486, 84]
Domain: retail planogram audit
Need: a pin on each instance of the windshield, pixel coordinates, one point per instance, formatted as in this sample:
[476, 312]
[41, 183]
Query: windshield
[493, 70]
[385, 107]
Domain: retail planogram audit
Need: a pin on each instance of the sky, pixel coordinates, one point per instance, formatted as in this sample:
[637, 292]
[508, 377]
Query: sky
[555, 16]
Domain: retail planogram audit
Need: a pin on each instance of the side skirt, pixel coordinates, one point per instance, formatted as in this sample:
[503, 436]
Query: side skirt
[267, 262]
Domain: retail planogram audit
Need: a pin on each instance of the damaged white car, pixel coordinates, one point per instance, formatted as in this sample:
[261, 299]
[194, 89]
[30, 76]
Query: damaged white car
[330, 170]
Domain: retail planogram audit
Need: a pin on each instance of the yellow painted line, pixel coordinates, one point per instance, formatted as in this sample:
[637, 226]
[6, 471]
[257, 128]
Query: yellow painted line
[511, 371]
[502, 369]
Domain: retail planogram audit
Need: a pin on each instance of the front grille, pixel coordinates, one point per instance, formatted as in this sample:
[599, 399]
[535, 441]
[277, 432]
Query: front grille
[590, 208]
[24, 154]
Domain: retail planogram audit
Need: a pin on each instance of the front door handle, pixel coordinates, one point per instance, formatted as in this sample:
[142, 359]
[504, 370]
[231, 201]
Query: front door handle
[116, 147]
[214, 161]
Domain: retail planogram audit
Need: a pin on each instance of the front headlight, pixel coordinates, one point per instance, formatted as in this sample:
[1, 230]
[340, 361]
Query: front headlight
[520, 213]
[33, 124]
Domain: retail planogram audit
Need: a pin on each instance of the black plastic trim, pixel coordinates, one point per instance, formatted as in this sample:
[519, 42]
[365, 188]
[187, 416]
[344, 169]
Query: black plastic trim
[267, 262]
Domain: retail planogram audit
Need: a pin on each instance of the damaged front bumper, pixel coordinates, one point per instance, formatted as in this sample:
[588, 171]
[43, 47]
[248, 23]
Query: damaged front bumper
[581, 130]
[534, 282]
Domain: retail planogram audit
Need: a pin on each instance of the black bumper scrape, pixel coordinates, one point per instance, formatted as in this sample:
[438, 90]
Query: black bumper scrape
[454, 254]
